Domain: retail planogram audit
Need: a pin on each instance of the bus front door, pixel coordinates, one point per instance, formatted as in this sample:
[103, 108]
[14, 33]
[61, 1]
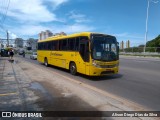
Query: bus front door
[84, 53]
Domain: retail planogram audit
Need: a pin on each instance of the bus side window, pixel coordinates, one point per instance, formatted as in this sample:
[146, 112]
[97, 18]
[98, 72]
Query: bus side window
[77, 44]
[71, 44]
[64, 44]
[55, 45]
[60, 44]
[87, 52]
[42, 46]
[51, 45]
[46, 45]
[38, 46]
[83, 38]
[84, 48]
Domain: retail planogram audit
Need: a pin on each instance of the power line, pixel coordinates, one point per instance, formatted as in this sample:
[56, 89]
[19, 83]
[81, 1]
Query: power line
[4, 14]
[2, 10]
[4, 17]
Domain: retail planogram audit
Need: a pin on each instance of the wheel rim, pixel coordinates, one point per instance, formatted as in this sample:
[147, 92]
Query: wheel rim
[73, 69]
[46, 64]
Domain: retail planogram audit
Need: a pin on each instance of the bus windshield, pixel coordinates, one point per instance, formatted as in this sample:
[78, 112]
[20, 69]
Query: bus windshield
[104, 48]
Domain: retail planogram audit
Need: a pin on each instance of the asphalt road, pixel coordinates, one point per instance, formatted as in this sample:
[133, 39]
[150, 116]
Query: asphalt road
[137, 81]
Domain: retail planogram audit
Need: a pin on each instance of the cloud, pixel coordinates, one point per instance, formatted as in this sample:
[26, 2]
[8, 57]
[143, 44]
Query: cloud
[31, 30]
[57, 3]
[30, 10]
[13, 36]
[30, 17]
[121, 34]
[74, 28]
[135, 38]
[77, 17]
[129, 35]
[33, 10]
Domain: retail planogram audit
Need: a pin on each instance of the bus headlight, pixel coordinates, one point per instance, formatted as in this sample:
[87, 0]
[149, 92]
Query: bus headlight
[95, 64]
[116, 65]
[104, 66]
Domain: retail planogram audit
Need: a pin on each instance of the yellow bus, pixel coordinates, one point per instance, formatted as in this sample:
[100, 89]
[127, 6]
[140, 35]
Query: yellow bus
[92, 54]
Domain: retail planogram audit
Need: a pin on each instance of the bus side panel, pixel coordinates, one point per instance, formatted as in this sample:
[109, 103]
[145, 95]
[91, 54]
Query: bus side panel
[59, 58]
[81, 65]
[87, 68]
[40, 56]
[63, 59]
[70, 56]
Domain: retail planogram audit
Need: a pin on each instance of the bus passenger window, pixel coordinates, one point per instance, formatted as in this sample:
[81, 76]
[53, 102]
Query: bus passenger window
[60, 44]
[77, 44]
[71, 44]
[55, 45]
[64, 45]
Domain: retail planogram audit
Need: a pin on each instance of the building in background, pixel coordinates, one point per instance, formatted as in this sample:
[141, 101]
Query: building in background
[1, 44]
[18, 43]
[121, 45]
[45, 34]
[127, 44]
[61, 33]
[32, 44]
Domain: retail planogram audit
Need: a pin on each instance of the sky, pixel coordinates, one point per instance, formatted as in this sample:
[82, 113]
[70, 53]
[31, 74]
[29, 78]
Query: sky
[125, 19]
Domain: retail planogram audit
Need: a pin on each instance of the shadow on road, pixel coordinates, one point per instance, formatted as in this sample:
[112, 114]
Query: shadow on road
[102, 78]
[92, 78]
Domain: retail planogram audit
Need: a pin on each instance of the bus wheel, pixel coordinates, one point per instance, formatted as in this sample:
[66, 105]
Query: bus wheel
[46, 62]
[73, 68]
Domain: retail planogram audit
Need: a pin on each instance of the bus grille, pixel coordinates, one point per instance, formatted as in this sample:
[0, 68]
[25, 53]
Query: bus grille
[107, 66]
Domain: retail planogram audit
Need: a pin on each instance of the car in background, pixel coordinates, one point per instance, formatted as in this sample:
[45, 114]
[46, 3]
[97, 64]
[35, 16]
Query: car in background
[21, 52]
[33, 56]
[4, 53]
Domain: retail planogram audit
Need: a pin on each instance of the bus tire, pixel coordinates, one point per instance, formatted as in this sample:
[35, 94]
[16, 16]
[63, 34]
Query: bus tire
[46, 62]
[73, 68]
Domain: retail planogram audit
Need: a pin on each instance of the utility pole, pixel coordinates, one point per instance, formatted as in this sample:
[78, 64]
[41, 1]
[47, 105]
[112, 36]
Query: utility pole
[7, 38]
[147, 23]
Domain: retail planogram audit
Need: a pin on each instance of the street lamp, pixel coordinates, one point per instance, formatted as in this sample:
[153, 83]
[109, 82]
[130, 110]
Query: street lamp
[147, 23]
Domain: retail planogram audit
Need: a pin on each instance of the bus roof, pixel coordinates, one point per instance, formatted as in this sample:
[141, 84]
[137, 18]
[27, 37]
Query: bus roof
[70, 36]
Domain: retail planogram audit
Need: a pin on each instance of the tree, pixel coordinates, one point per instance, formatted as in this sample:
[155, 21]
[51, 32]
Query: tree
[141, 46]
[154, 43]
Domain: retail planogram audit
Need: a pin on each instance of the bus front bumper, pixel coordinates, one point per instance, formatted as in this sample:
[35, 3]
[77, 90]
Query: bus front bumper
[94, 71]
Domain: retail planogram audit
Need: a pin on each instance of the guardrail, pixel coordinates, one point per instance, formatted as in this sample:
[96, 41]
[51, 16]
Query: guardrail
[151, 54]
[141, 49]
